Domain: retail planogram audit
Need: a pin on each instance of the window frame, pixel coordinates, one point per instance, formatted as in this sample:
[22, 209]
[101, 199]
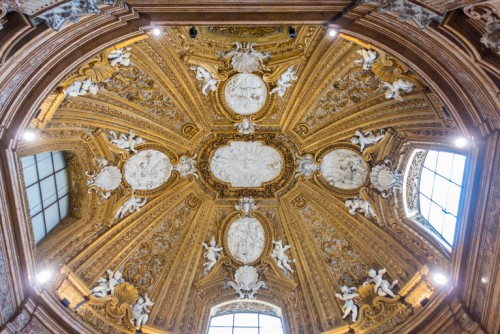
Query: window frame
[258, 327]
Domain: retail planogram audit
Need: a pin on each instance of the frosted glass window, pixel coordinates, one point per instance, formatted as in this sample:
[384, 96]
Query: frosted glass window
[439, 191]
[46, 182]
[245, 323]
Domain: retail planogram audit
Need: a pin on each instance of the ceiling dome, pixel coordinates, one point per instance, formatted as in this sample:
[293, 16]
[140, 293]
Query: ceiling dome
[242, 164]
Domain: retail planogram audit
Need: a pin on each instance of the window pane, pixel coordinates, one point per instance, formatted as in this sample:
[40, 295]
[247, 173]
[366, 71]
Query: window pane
[48, 187]
[44, 162]
[38, 227]
[62, 183]
[51, 216]
[30, 175]
[246, 319]
[64, 206]
[444, 164]
[436, 217]
[220, 330]
[440, 191]
[450, 223]
[453, 199]
[457, 173]
[430, 160]
[425, 205]
[267, 321]
[59, 162]
[34, 200]
[246, 330]
[28, 161]
[223, 320]
[426, 182]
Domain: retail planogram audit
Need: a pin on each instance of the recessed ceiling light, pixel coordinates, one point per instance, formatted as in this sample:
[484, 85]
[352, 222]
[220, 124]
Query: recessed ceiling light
[44, 276]
[461, 142]
[332, 32]
[157, 31]
[28, 135]
[439, 279]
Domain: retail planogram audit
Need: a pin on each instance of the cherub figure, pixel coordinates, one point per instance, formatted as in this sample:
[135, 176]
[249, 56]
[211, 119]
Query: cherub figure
[284, 81]
[349, 306]
[280, 257]
[212, 254]
[366, 139]
[382, 286]
[107, 286]
[209, 82]
[140, 311]
[394, 89]
[120, 57]
[126, 142]
[368, 59]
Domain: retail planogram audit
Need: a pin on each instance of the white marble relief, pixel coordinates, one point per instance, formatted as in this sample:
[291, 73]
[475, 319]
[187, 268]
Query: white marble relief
[104, 179]
[244, 58]
[246, 126]
[349, 307]
[147, 170]
[246, 282]
[106, 286]
[84, 87]
[306, 166]
[132, 205]
[344, 169]
[384, 179]
[245, 94]
[381, 286]
[208, 79]
[187, 166]
[125, 142]
[212, 254]
[358, 205]
[246, 164]
[246, 239]
[285, 80]
[368, 58]
[491, 38]
[406, 10]
[246, 205]
[120, 57]
[365, 139]
[281, 258]
[140, 311]
[393, 90]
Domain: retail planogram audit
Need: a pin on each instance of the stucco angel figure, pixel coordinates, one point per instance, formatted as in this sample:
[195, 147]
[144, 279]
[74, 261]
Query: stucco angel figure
[394, 89]
[126, 142]
[140, 311]
[280, 257]
[284, 81]
[359, 205]
[367, 138]
[212, 254]
[120, 57]
[349, 307]
[130, 206]
[382, 287]
[78, 88]
[107, 286]
[368, 59]
[209, 82]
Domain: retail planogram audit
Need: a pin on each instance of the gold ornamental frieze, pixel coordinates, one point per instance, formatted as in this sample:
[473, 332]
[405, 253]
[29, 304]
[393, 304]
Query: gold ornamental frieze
[255, 165]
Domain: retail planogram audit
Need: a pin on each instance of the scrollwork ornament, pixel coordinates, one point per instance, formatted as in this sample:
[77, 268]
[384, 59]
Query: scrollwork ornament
[104, 179]
[491, 36]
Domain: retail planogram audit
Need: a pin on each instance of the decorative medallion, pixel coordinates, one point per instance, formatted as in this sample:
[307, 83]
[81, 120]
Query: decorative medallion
[147, 170]
[245, 93]
[246, 239]
[344, 169]
[246, 164]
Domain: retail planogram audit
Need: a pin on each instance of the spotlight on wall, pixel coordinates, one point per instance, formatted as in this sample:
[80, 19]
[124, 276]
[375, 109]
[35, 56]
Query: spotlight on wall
[28, 135]
[44, 276]
[439, 279]
[193, 32]
[65, 302]
[424, 301]
[157, 31]
[461, 142]
[332, 32]
[292, 33]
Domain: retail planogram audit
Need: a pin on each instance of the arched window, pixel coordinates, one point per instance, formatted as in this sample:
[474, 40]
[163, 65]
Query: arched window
[46, 182]
[245, 323]
[433, 190]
